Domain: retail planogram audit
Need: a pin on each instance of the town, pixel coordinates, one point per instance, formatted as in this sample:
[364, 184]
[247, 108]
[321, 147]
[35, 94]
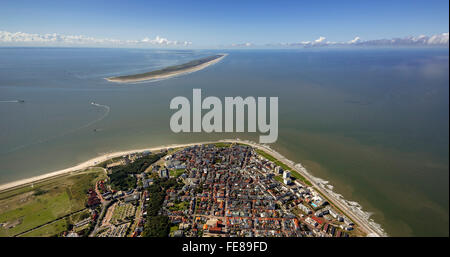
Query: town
[212, 190]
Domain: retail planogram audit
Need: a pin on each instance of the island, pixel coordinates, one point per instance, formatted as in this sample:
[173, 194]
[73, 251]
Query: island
[214, 189]
[170, 71]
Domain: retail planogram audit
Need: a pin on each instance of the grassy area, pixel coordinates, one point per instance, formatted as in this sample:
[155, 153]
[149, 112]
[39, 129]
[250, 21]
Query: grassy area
[294, 174]
[179, 206]
[53, 229]
[279, 178]
[173, 228]
[77, 217]
[25, 208]
[222, 144]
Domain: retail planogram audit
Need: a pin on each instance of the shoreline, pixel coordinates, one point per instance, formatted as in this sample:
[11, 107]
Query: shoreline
[166, 75]
[352, 209]
[84, 165]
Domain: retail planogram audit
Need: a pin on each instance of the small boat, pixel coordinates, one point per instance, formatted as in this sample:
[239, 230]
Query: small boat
[21, 101]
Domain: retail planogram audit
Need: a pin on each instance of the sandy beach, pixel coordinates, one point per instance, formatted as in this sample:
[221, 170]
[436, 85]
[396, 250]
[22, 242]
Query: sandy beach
[121, 79]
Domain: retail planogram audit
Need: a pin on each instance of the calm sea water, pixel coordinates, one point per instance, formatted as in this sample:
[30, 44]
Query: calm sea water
[375, 123]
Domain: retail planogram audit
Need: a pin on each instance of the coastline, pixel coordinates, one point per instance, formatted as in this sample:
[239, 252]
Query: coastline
[352, 209]
[168, 74]
[84, 165]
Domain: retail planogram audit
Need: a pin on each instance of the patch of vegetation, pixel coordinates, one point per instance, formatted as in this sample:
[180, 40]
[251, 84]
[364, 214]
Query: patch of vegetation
[158, 225]
[122, 177]
[173, 229]
[279, 178]
[179, 206]
[28, 207]
[222, 144]
[39, 192]
[176, 173]
[54, 229]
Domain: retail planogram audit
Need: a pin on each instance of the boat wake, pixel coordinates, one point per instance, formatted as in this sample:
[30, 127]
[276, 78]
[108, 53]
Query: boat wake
[106, 109]
[12, 101]
[106, 113]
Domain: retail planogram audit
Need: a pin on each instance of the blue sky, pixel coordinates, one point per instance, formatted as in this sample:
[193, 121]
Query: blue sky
[209, 23]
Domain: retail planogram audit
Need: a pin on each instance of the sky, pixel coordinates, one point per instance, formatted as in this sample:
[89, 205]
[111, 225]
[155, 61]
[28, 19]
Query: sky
[225, 23]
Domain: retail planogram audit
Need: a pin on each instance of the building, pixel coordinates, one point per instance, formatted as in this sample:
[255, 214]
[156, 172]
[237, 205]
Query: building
[132, 198]
[304, 208]
[164, 173]
[287, 181]
[147, 182]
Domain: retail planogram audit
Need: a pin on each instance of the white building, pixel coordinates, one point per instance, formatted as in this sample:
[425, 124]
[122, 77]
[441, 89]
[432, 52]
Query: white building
[304, 208]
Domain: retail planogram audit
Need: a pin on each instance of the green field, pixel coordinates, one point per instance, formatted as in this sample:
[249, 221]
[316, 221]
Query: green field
[176, 173]
[279, 178]
[173, 229]
[222, 144]
[181, 206]
[49, 230]
[28, 207]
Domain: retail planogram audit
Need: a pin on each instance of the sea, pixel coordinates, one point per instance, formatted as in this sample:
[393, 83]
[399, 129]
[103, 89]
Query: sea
[372, 122]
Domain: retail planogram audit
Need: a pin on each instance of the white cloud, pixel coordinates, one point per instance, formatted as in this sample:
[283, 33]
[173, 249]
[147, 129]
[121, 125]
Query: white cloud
[320, 40]
[21, 38]
[247, 44]
[422, 40]
[355, 40]
[438, 39]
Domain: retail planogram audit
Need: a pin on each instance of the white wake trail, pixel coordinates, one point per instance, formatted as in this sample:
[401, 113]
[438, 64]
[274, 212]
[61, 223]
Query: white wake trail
[9, 101]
